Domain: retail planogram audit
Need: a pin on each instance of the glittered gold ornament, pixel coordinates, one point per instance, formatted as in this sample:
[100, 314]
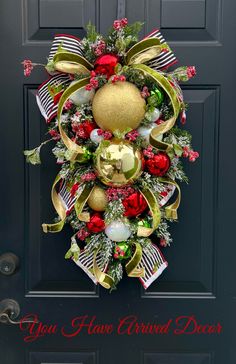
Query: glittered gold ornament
[97, 199]
[118, 106]
[118, 163]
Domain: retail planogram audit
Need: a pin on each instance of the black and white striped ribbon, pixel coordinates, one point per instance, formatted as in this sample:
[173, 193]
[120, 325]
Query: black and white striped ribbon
[170, 189]
[67, 199]
[45, 100]
[154, 264]
[68, 43]
[166, 58]
[85, 262]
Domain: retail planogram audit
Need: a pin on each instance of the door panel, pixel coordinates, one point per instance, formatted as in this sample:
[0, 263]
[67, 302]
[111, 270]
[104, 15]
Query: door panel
[199, 279]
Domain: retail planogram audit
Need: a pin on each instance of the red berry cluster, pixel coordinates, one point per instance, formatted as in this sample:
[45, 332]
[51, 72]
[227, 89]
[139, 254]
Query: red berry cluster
[118, 252]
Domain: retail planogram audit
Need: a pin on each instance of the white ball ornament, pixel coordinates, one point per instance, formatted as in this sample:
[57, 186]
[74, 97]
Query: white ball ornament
[82, 96]
[153, 115]
[144, 131]
[95, 137]
[117, 231]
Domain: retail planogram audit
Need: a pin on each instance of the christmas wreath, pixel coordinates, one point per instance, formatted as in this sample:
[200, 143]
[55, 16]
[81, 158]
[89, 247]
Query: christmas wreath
[112, 110]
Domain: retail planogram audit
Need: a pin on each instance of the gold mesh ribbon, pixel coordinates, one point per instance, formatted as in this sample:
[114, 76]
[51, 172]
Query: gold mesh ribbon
[155, 211]
[60, 209]
[131, 266]
[76, 152]
[161, 80]
[171, 210]
[68, 62]
[103, 278]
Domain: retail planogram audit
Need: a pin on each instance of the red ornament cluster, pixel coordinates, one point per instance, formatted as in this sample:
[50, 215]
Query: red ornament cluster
[158, 164]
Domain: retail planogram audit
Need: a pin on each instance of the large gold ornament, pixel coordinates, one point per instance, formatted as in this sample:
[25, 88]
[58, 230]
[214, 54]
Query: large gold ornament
[118, 106]
[118, 163]
[97, 199]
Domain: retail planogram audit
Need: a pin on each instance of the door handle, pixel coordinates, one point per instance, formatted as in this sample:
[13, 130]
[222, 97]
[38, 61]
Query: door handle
[9, 263]
[10, 311]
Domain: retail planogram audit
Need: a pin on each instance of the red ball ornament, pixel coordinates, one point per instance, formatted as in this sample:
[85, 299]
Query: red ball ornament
[96, 223]
[134, 205]
[159, 164]
[105, 64]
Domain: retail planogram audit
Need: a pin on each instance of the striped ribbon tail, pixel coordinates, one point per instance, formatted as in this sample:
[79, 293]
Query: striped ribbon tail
[166, 58]
[46, 100]
[174, 83]
[85, 262]
[168, 193]
[68, 42]
[154, 264]
[67, 199]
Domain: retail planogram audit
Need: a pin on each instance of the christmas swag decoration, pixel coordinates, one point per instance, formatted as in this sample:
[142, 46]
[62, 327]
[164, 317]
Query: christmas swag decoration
[112, 109]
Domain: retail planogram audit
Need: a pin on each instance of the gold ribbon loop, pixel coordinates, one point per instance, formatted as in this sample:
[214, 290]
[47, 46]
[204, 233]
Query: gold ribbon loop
[76, 152]
[144, 51]
[68, 62]
[131, 266]
[60, 209]
[171, 210]
[162, 81]
[155, 211]
[80, 203]
[103, 278]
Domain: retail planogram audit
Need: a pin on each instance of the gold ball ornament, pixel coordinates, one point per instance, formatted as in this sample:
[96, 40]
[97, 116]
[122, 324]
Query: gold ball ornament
[118, 106]
[97, 200]
[118, 163]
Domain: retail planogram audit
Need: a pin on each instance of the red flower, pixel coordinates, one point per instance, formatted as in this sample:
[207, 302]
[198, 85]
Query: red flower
[96, 223]
[134, 204]
[105, 65]
[159, 164]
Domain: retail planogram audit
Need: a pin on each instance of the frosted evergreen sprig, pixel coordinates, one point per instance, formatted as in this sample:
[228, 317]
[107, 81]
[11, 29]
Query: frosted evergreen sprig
[176, 171]
[100, 241]
[151, 182]
[163, 233]
[116, 272]
[114, 211]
